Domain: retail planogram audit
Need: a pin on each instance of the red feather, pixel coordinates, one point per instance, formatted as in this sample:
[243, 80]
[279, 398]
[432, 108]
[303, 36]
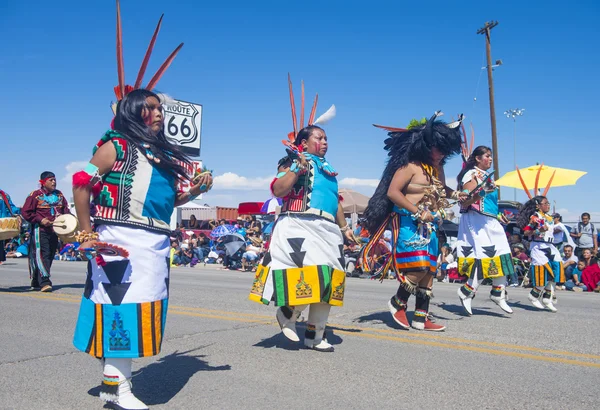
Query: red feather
[163, 68]
[140, 77]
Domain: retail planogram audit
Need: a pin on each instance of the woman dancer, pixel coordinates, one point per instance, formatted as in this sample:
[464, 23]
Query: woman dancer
[546, 262]
[304, 265]
[132, 177]
[483, 250]
[412, 197]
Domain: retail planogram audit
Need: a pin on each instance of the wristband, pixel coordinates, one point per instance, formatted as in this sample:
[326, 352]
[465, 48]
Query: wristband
[295, 168]
[345, 228]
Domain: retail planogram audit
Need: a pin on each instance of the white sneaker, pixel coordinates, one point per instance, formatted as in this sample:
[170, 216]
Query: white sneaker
[548, 304]
[466, 301]
[288, 326]
[535, 302]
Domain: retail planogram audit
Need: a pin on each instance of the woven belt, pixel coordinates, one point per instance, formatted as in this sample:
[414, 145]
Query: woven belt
[313, 211]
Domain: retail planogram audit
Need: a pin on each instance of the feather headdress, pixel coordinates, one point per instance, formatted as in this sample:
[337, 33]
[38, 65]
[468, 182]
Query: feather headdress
[537, 180]
[122, 89]
[411, 144]
[321, 120]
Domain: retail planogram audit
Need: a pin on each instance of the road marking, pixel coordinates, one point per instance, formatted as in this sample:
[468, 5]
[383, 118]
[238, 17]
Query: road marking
[380, 334]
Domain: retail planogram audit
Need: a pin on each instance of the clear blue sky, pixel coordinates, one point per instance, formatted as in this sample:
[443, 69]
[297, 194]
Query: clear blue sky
[379, 62]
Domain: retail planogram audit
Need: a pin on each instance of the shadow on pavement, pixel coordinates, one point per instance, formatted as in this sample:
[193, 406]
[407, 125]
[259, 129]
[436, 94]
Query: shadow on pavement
[460, 311]
[279, 341]
[382, 318]
[526, 307]
[159, 382]
[54, 288]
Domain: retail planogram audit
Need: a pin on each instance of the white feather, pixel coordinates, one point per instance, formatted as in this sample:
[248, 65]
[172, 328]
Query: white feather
[327, 116]
[165, 99]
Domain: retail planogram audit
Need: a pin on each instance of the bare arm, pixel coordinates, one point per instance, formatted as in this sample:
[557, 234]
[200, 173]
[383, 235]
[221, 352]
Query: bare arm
[104, 159]
[284, 184]
[470, 186]
[340, 219]
[401, 179]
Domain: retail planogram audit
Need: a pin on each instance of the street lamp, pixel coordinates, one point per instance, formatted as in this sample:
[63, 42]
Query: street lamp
[514, 113]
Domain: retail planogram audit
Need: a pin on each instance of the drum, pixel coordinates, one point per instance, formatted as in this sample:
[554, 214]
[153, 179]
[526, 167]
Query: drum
[9, 228]
[66, 227]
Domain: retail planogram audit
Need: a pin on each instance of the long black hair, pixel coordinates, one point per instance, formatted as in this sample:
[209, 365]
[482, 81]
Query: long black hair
[305, 133]
[413, 145]
[530, 208]
[130, 124]
[472, 162]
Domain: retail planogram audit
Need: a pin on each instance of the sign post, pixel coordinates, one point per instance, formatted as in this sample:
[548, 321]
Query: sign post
[183, 123]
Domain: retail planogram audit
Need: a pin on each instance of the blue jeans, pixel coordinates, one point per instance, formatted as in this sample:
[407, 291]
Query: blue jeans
[570, 285]
[198, 253]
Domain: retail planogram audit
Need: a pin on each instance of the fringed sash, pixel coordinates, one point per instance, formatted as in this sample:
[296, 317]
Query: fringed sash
[367, 259]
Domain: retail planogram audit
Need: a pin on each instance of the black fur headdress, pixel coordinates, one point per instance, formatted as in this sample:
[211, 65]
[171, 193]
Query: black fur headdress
[411, 145]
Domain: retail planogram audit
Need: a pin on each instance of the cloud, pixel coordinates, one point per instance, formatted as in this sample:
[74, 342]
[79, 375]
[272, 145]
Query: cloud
[232, 181]
[354, 182]
[65, 183]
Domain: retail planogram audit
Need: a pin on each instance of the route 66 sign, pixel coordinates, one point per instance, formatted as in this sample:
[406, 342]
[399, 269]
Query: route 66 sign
[183, 123]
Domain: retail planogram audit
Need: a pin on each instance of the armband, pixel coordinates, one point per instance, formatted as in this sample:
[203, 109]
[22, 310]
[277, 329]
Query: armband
[88, 176]
[280, 174]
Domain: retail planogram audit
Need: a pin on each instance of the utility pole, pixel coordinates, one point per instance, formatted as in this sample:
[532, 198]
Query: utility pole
[514, 113]
[488, 48]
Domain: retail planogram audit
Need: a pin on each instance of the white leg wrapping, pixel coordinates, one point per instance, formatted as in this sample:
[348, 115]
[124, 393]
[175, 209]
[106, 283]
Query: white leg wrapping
[550, 287]
[501, 300]
[315, 327]
[121, 369]
[288, 325]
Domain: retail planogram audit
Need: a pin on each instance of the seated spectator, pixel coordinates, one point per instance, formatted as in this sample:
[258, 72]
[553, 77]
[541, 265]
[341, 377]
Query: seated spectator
[193, 223]
[521, 263]
[591, 278]
[574, 282]
[179, 258]
[569, 260]
[517, 240]
[587, 257]
[444, 259]
[254, 226]
[19, 249]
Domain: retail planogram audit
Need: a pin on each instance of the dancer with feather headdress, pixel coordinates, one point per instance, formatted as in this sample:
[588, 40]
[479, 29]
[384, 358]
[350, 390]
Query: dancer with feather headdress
[411, 197]
[132, 177]
[546, 262]
[305, 263]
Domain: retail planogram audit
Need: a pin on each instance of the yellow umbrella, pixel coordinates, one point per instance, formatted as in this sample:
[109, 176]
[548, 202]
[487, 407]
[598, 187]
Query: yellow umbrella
[540, 176]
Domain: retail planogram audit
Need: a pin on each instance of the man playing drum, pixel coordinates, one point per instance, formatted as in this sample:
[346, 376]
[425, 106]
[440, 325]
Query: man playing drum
[41, 207]
[8, 213]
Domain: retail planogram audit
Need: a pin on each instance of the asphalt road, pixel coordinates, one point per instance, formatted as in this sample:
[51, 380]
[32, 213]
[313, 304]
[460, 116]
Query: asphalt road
[222, 351]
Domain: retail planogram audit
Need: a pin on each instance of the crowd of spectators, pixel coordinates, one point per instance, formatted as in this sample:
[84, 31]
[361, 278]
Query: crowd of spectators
[190, 245]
